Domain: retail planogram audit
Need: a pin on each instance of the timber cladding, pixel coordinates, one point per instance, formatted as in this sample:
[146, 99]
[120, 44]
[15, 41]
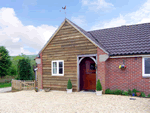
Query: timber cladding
[65, 45]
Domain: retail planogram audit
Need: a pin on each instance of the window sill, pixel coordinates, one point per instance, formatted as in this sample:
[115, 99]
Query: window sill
[145, 76]
[57, 75]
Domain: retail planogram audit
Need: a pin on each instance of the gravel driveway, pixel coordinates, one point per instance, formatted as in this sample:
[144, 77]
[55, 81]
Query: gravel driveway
[2, 90]
[77, 102]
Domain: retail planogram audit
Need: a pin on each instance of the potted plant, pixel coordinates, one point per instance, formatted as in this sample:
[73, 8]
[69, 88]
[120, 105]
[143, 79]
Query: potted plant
[133, 94]
[138, 93]
[69, 86]
[98, 88]
[122, 66]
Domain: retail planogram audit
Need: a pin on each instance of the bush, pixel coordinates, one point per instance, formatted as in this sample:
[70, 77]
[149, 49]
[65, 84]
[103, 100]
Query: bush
[126, 93]
[130, 92]
[98, 86]
[24, 70]
[117, 92]
[108, 91]
[148, 95]
[69, 85]
[143, 94]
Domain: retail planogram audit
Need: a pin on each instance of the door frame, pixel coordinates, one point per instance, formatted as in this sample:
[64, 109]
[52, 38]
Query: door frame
[78, 66]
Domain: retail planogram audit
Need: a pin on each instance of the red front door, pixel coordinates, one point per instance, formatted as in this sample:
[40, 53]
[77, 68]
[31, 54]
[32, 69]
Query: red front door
[87, 74]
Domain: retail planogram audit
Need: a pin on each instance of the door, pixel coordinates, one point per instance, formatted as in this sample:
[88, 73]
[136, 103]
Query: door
[87, 74]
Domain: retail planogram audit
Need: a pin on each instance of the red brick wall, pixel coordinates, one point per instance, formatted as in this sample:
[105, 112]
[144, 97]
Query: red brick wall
[101, 69]
[129, 78]
[40, 68]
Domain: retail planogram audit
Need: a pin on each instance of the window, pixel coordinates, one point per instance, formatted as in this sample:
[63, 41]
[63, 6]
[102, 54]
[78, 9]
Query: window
[57, 68]
[146, 66]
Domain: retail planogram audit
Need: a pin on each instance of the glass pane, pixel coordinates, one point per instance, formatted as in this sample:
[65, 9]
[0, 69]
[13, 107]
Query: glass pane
[54, 64]
[60, 70]
[54, 70]
[60, 64]
[147, 65]
[92, 66]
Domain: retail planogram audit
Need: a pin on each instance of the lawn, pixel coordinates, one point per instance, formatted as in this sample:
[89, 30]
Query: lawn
[2, 85]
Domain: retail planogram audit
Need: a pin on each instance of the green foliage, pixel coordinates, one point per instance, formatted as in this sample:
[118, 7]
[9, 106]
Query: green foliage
[25, 71]
[134, 90]
[117, 92]
[130, 92]
[148, 95]
[143, 94]
[69, 85]
[2, 85]
[126, 93]
[98, 86]
[5, 61]
[108, 91]
[15, 60]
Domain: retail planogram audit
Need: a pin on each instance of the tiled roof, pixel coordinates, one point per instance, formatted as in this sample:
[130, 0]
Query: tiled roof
[124, 40]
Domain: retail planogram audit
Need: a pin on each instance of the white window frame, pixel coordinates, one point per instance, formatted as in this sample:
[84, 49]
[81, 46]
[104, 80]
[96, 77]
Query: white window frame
[57, 67]
[143, 68]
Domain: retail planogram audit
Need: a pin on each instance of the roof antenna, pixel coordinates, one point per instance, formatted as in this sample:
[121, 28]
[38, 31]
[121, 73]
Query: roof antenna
[64, 8]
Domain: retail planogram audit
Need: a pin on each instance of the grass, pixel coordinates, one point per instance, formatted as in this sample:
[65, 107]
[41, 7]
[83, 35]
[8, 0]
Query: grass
[2, 85]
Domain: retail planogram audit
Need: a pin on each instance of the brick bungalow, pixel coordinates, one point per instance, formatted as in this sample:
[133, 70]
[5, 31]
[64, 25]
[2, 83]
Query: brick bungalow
[86, 56]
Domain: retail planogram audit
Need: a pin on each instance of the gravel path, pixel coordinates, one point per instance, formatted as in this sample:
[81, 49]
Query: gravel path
[2, 90]
[77, 102]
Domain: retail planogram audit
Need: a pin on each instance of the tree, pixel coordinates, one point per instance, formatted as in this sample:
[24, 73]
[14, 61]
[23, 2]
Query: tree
[24, 70]
[5, 61]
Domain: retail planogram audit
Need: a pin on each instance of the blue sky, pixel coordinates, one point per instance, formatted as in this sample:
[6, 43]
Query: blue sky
[26, 25]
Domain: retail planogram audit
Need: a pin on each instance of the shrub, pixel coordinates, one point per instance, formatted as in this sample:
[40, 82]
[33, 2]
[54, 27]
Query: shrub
[69, 85]
[130, 92]
[24, 70]
[112, 91]
[117, 92]
[143, 94]
[126, 93]
[148, 95]
[107, 91]
[98, 86]
[134, 90]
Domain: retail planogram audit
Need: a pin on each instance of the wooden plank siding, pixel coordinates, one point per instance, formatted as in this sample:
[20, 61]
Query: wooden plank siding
[66, 45]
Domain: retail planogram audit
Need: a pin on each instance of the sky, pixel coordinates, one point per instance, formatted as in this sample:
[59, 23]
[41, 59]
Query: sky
[26, 25]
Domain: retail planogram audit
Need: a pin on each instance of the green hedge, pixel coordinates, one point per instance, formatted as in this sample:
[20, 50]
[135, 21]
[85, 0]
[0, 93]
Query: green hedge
[126, 93]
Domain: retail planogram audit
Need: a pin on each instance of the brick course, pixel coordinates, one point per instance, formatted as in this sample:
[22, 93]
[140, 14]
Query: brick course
[101, 69]
[40, 68]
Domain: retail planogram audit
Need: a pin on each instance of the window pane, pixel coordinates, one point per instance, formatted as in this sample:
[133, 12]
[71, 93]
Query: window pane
[147, 65]
[54, 64]
[60, 70]
[60, 64]
[54, 70]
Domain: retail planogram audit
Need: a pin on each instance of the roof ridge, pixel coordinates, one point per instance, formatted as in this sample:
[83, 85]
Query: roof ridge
[120, 26]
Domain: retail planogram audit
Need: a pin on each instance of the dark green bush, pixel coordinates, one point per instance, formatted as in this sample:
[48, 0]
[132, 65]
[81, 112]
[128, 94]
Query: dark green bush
[130, 92]
[108, 91]
[134, 90]
[143, 94]
[117, 92]
[98, 86]
[148, 95]
[69, 85]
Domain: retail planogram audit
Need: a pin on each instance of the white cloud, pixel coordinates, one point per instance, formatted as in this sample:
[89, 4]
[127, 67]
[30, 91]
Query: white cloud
[80, 20]
[142, 15]
[14, 35]
[96, 5]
